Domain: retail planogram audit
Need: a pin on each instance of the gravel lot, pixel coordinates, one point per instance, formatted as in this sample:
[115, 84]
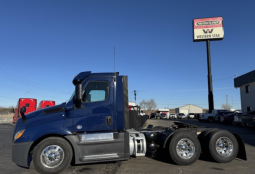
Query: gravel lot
[146, 164]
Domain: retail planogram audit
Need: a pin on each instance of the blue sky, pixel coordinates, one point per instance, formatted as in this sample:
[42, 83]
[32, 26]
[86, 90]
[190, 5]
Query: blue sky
[44, 44]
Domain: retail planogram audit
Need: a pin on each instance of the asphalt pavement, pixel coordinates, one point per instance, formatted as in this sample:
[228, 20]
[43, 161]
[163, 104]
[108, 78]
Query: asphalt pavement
[142, 165]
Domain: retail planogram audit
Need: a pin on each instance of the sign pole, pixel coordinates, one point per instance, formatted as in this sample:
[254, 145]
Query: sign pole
[210, 90]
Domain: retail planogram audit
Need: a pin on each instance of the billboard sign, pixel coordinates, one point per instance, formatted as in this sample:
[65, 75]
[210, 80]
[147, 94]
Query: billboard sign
[208, 29]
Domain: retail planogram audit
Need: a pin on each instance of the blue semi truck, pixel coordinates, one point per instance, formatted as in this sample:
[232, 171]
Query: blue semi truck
[96, 125]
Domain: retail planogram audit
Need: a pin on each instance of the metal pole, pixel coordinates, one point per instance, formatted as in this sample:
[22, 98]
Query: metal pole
[210, 90]
[135, 95]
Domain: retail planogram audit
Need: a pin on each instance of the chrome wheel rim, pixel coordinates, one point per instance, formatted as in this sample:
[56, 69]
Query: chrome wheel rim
[224, 146]
[52, 156]
[185, 148]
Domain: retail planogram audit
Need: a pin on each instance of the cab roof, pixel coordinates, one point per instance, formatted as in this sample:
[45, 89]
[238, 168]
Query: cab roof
[79, 77]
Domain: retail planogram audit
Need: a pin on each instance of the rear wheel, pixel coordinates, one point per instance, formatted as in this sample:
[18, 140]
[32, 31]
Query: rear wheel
[223, 146]
[184, 148]
[52, 155]
[203, 140]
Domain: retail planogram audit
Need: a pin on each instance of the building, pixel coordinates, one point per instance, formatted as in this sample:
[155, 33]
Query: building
[246, 83]
[189, 109]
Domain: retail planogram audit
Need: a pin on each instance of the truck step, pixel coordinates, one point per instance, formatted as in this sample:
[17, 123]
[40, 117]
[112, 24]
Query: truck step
[101, 156]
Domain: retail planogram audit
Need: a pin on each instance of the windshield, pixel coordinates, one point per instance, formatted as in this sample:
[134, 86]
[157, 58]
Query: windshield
[71, 98]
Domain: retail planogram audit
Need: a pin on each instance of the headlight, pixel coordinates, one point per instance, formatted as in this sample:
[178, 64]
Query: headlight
[18, 134]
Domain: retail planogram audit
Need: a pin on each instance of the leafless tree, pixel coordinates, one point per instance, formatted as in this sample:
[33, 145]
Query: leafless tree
[226, 106]
[148, 105]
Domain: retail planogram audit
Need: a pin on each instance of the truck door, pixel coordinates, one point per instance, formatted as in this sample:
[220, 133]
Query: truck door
[96, 113]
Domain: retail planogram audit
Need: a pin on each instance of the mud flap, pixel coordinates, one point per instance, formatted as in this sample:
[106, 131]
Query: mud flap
[241, 153]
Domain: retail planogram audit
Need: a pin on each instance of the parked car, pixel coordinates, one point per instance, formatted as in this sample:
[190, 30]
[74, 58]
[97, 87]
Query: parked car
[247, 118]
[228, 118]
[158, 115]
[196, 116]
[153, 115]
[181, 115]
[252, 124]
[191, 115]
[163, 115]
[210, 117]
[172, 115]
[220, 114]
[237, 119]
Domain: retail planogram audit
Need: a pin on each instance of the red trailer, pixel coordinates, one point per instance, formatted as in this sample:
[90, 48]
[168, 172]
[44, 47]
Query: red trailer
[30, 104]
[45, 104]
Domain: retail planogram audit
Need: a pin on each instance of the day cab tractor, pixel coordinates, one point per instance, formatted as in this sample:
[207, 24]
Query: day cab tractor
[45, 104]
[30, 104]
[95, 125]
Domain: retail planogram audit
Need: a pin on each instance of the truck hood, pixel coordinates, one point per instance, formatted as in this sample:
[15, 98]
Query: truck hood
[42, 117]
[49, 110]
[41, 113]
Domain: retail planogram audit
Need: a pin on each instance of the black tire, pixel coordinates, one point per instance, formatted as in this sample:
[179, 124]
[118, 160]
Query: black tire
[65, 146]
[203, 140]
[211, 144]
[210, 119]
[175, 138]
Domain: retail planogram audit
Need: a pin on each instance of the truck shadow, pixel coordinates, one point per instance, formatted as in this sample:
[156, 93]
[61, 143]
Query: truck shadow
[163, 156]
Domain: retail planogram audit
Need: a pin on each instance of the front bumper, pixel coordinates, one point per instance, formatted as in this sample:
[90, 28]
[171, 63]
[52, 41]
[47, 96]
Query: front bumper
[20, 153]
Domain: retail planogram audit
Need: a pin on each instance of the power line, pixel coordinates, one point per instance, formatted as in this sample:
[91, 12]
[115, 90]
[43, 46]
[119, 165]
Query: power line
[22, 90]
[8, 97]
[28, 82]
[225, 78]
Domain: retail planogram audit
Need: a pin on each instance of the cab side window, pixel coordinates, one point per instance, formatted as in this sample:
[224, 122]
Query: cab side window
[95, 92]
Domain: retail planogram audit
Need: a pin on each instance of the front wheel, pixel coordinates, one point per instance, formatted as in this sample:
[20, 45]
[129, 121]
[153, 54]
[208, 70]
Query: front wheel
[184, 148]
[52, 155]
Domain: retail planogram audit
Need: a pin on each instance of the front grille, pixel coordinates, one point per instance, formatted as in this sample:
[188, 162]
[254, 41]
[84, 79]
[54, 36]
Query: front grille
[50, 111]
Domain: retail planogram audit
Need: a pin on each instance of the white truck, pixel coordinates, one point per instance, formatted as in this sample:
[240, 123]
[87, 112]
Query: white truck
[210, 117]
[132, 107]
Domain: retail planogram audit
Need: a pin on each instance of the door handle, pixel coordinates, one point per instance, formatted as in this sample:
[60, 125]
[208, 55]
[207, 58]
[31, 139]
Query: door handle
[108, 120]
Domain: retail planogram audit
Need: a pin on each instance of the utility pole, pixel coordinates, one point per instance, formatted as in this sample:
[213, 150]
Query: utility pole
[227, 100]
[210, 90]
[135, 95]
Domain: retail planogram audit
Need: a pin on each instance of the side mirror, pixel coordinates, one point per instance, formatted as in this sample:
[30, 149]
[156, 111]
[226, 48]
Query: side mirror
[22, 113]
[77, 100]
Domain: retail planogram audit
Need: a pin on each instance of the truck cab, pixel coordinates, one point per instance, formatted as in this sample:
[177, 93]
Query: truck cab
[30, 104]
[45, 104]
[92, 122]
